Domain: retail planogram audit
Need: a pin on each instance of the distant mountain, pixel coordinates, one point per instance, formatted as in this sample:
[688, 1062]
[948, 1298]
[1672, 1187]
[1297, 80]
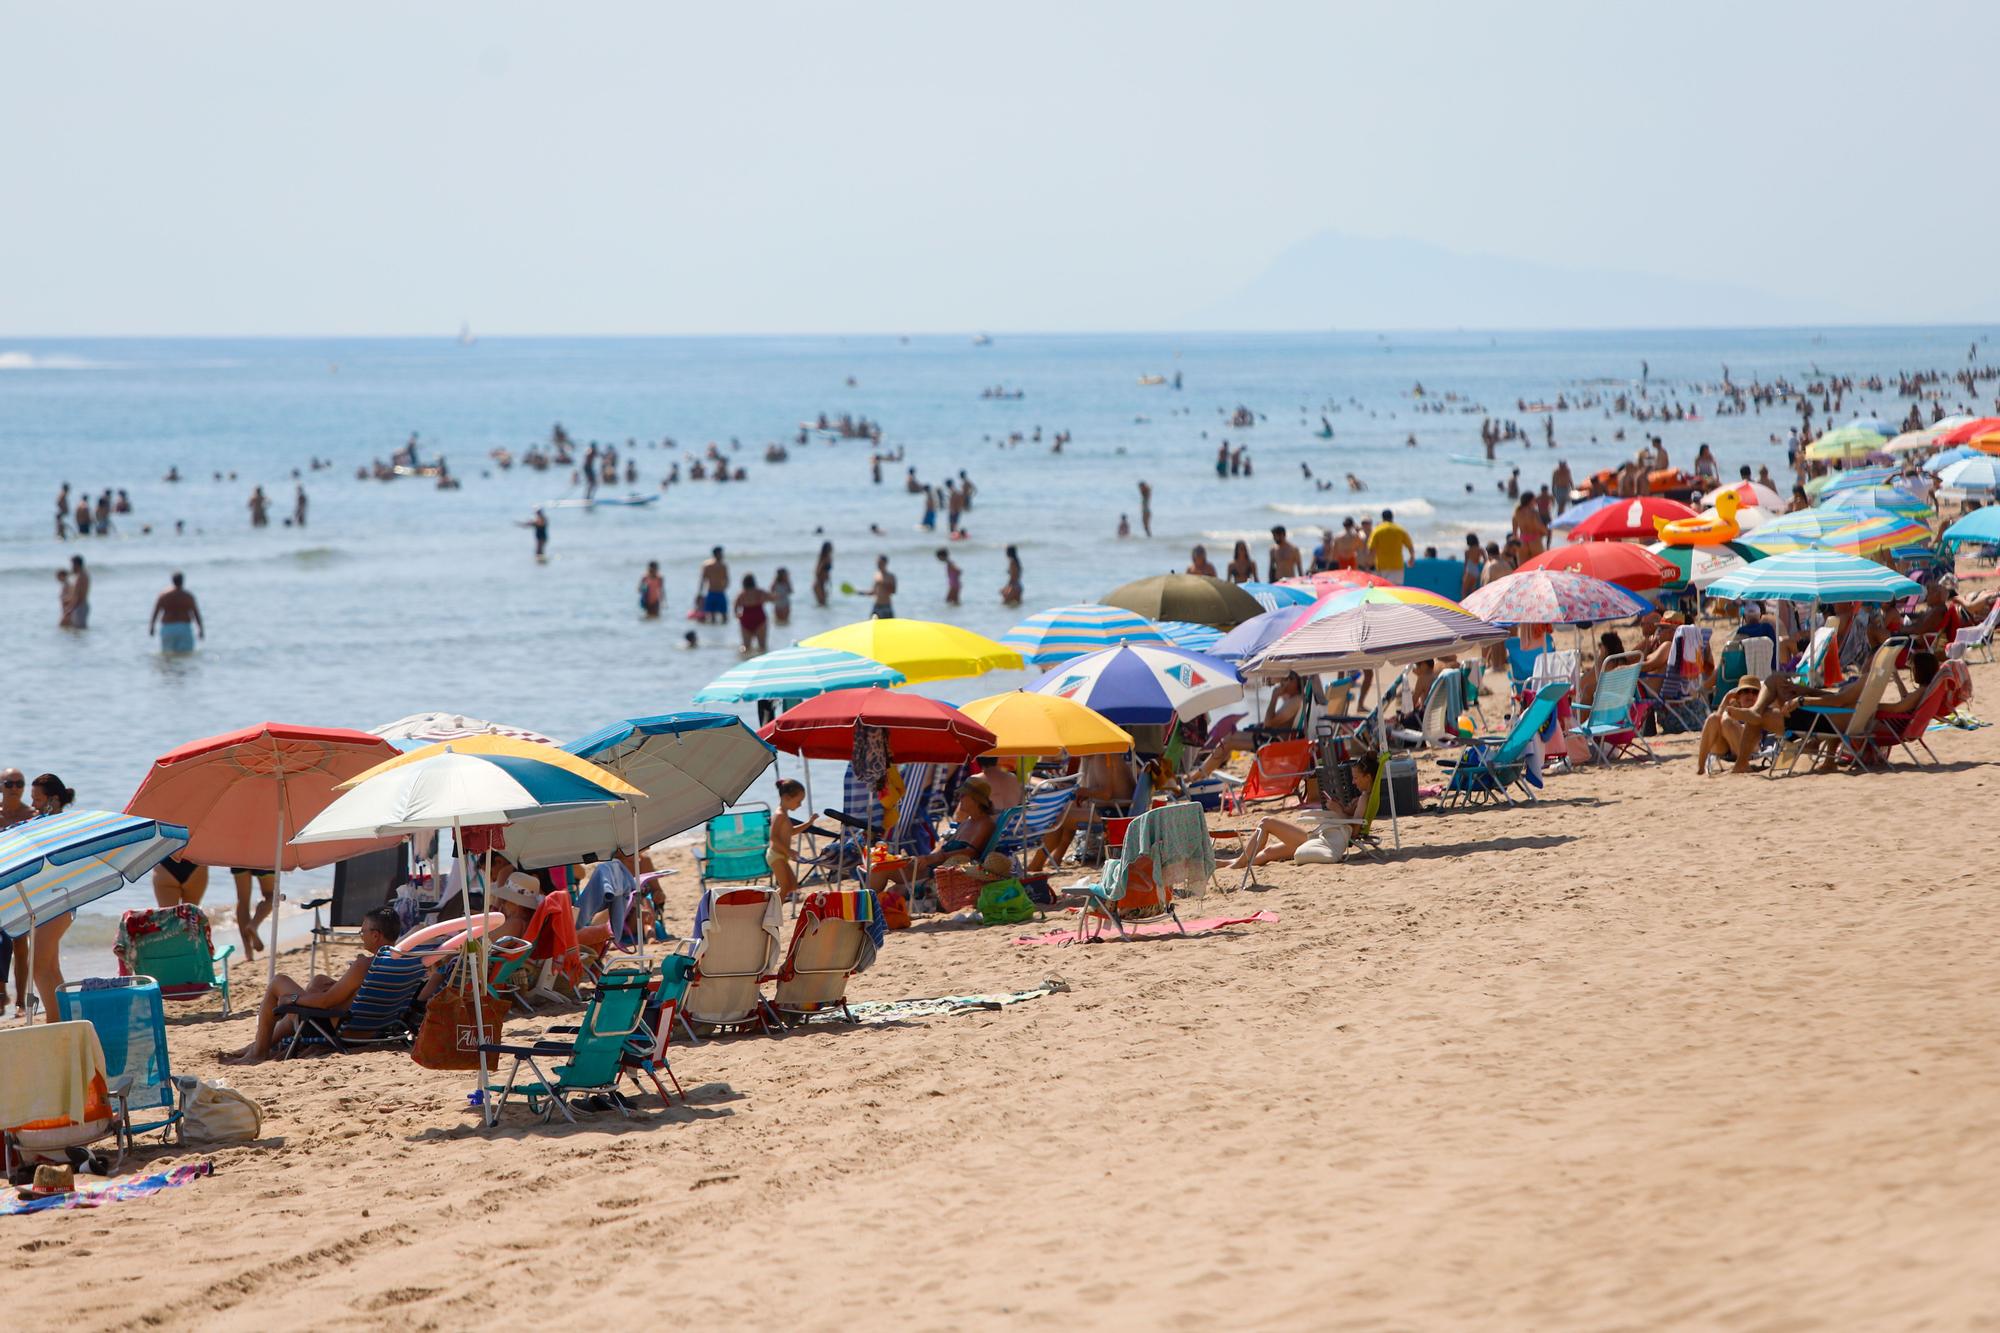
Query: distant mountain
[1336, 281]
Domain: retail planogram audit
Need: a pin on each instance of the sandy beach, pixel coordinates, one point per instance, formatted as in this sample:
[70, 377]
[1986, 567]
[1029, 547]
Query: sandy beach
[1657, 1051]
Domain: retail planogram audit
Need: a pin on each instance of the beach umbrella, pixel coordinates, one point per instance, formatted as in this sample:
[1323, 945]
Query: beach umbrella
[1582, 510]
[1749, 495]
[1799, 531]
[1699, 566]
[1141, 686]
[1064, 632]
[1253, 635]
[1964, 432]
[1323, 581]
[1026, 723]
[1873, 425]
[1630, 518]
[1971, 474]
[501, 781]
[1553, 597]
[1814, 576]
[1191, 597]
[922, 650]
[1850, 479]
[1373, 635]
[244, 793]
[1392, 595]
[1914, 441]
[58, 863]
[1874, 499]
[1981, 525]
[795, 673]
[1276, 596]
[919, 730]
[1944, 458]
[1846, 442]
[1195, 638]
[685, 767]
[1631, 567]
[428, 728]
[1879, 532]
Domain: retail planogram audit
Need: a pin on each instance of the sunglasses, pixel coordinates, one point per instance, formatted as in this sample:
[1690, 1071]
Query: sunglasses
[14, 782]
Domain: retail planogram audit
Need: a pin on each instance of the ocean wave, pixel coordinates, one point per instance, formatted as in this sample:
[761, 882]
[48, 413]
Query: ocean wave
[16, 360]
[151, 560]
[1356, 507]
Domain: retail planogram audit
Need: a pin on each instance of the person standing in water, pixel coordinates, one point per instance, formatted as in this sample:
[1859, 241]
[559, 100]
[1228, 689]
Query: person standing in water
[953, 577]
[1146, 507]
[752, 618]
[176, 617]
[260, 508]
[75, 594]
[652, 591]
[823, 573]
[712, 583]
[540, 523]
[1010, 592]
[882, 591]
[299, 507]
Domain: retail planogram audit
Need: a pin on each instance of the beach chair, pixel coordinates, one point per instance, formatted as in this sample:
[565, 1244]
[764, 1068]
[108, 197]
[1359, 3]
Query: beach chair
[1441, 710]
[646, 1052]
[553, 952]
[1045, 808]
[58, 1087]
[360, 884]
[172, 945]
[735, 847]
[1553, 666]
[130, 1018]
[1165, 850]
[837, 935]
[1521, 665]
[378, 1015]
[1975, 638]
[1608, 726]
[915, 832]
[1907, 729]
[1849, 729]
[1492, 767]
[1676, 691]
[835, 852]
[736, 947]
[593, 1062]
[1275, 771]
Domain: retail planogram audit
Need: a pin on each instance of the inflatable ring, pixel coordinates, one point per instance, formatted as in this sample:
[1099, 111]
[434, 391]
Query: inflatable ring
[1705, 529]
[443, 938]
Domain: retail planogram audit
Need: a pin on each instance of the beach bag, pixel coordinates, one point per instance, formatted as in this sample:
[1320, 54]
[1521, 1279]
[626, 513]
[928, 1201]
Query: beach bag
[214, 1112]
[1324, 847]
[957, 886]
[1005, 902]
[895, 910]
[450, 1038]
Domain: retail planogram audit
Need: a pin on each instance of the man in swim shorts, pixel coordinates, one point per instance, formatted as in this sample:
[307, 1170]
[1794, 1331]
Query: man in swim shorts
[176, 618]
[714, 584]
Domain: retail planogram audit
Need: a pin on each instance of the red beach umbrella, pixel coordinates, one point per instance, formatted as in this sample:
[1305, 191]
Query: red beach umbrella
[1969, 430]
[920, 730]
[1629, 518]
[1326, 581]
[242, 795]
[1631, 567]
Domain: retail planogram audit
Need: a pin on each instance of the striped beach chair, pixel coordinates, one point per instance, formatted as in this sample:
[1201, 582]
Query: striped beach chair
[378, 1015]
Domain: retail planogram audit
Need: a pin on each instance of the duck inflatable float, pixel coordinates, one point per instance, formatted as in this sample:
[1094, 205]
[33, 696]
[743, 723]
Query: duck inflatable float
[1708, 529]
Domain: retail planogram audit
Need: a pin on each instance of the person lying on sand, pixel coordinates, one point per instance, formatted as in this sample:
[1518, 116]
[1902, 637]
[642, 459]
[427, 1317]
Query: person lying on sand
[379, 929]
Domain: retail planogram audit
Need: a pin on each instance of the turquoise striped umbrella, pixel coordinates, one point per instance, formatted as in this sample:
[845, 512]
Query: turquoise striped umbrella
[1814, 576]
[1196, 638]
[796, 673]
[1066, 632]
[57, 864]
[1834, 482]
[1278, 596]
[1878, 532]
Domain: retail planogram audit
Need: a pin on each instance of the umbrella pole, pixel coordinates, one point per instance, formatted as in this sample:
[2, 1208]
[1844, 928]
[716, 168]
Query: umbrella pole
[1383, 774]
[479, 964]
[29, 989]
[277, 887]
[638, 905]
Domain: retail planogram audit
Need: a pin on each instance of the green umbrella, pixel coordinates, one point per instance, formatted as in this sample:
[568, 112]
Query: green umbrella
[1847, 442]
[1194, 598]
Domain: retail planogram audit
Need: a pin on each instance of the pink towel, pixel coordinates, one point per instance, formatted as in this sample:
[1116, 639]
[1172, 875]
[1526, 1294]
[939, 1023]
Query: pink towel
[1197, 927]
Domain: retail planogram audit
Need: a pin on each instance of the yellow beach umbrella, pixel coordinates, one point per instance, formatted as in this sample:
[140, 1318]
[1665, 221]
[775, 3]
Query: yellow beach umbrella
[921, 649]
[1046, 724]
[505, 747]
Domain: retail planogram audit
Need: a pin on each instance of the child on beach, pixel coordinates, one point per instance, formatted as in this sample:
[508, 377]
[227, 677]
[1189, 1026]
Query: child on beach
[791, 795]
[953, 577]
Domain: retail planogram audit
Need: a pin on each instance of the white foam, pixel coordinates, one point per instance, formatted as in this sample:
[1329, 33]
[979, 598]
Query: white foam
[34, 361]
[1357, 506]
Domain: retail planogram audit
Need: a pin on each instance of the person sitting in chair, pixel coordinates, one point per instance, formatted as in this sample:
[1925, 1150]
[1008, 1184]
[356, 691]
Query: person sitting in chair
[380, 928]
[967, 840]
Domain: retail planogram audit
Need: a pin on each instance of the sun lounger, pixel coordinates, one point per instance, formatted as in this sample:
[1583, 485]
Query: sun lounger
[1493, 767]
[1849, 729]
[837, 935]
[592, 1063]
[1276, 771]
[378, 1015]
[736, 947]
[172, 945]
[131, 1024]
[1975, 638]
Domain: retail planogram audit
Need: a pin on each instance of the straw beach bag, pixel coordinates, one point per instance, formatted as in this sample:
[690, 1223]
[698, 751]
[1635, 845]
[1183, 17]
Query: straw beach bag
[450, 1037]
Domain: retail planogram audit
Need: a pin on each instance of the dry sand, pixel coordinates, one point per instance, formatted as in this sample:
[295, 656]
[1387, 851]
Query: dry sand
[1658, 1051]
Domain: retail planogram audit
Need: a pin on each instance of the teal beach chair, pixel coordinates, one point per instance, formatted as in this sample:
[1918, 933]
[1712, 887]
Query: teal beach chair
[131, 1023]
[592, 1063]
[172, 945]
[1608, 725]
[1492, 767]
[735, 847]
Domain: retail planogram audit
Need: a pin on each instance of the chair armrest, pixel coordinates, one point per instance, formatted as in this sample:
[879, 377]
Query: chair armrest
[316, 902]
[296, 1010]
[524, 1052]
[228, 952]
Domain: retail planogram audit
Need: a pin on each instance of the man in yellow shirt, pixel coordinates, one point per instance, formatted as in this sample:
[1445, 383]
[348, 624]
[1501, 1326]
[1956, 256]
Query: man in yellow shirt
[1391, 547]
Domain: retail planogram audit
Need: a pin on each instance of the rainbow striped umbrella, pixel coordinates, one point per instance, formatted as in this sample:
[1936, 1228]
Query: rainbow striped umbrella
[1393, 595]
[1553, 597]
[1834, 482]
[1880, 532]
[1067, 632]
[1795, 532]
[1887, 499]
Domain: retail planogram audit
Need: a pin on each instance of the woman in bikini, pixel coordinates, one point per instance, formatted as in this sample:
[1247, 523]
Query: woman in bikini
[750, 616]
[176, 881]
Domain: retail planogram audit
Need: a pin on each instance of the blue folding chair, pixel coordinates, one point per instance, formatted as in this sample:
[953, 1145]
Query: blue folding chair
[1491, 766]
[736, 847]
[1608, 725]
[1043, 810]
[131, 1021]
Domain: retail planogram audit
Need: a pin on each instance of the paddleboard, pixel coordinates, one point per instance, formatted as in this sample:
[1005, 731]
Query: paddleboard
[617, 501]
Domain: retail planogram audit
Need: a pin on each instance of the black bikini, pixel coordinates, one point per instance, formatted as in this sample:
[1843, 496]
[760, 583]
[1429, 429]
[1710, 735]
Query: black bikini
[181, 870]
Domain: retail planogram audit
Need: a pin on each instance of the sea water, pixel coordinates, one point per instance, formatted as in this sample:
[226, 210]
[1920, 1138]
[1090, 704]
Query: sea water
[398, 597]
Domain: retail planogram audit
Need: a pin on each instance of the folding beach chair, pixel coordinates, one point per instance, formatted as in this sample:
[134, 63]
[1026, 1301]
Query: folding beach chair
[172, 945]
[131, 1023]
[1441, 710]
[360, 884]
[837, 935]
[58, 1083]
[1276, 770]
[1849, 729]
[1676, 692]
[834, 852]
[1608, 725]
[1491, 768]
[1521, 664]
[735, 847]
[736, 947]
[1907, 729]
[592, 1063]
[378, 1015]
[915, 831]
[1975, 638]
[1045, 808]
[1164, 849]
[646, 1052]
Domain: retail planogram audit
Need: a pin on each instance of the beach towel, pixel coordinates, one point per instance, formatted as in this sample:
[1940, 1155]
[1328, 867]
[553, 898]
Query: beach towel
[858, 905]
[946, 1006]
[181, 919]
[55, 1077]
[1197, 927]
[870, 760]
[111, 1191]
[553, 929]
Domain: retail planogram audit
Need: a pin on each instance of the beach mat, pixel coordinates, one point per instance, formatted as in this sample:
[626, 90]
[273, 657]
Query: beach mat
[942, 1006]
[1198, 926]
[111, 1191]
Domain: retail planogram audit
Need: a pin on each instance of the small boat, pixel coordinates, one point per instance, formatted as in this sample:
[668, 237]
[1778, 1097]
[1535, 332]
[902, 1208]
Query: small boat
[981, 340]
[1149, 381]
[632, 501]
[418, 470]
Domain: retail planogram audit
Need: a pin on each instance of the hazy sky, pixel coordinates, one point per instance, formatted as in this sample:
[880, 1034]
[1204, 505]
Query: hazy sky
[652, 167]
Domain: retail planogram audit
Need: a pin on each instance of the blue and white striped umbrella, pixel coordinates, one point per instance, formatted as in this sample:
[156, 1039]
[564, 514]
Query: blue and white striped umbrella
[1876, 499]
[1814, 576]
[1979, 473]
[1066, 632]
[1140, 685]
[796, 673]
[58, 863]
[1944, 458]
[1278, 596]
[1186, 634]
